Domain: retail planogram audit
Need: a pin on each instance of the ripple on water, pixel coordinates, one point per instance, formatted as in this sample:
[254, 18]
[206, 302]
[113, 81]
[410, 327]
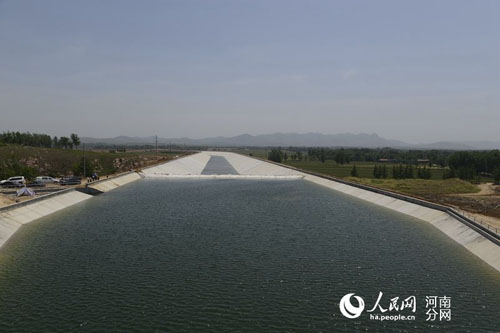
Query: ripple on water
[225, 255]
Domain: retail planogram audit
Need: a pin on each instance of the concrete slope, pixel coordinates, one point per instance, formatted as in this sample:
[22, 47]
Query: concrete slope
[250, 166]
[111, 184]
[14, 217]
[189, 165]
[461, 233]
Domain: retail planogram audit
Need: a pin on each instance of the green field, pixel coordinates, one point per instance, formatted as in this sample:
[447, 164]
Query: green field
[260, 153]
[365, 169]
[421, 187]
[427, 188]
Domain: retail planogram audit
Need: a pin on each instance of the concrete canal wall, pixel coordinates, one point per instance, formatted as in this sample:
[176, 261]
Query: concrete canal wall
[250, 166]
[189, 165]
[476, 242]
[112, 183]
[255, 177]
[472, 240]
[13, 217]
[464, 233]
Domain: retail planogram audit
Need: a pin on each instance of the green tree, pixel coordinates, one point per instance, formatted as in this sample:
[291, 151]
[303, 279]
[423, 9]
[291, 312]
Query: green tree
[90, 168]
[354, 171]
[12, 167]
[408, 171]
[341, 157]
[75, 139]
[299, 156]
[55, 142]
[275, 155]
[322, 156]
[384, 172]
[496, 175]
[449, 173]
[65, 142]
[376, 173]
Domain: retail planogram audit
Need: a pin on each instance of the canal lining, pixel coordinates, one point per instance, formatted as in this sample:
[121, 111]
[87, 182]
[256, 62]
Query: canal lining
[218, 165]
[463, 232]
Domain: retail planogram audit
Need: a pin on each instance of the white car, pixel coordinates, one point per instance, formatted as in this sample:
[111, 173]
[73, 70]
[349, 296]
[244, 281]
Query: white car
[17, 180]
[47, 180]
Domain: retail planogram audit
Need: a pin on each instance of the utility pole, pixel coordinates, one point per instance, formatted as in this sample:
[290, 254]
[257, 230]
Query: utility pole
[157, 147]
[84, 166]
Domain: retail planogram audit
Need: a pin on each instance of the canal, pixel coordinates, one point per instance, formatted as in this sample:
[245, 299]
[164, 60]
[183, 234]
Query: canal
[236, 255]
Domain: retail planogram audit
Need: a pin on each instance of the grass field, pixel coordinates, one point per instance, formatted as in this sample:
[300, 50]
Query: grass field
[365, 169]
[260, 153]
[426, 188]
[421, 187]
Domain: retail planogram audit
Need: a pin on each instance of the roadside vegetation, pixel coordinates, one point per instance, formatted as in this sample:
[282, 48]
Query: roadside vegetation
[31, 162]
[33, 154]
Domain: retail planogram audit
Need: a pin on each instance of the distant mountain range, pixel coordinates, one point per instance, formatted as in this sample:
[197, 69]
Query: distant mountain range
[295, 139]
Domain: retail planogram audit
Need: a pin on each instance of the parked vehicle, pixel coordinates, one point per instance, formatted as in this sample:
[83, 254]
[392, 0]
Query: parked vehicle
[19, 180]
[36, 183]
[8, 183]
[70, 181]
[47, 180]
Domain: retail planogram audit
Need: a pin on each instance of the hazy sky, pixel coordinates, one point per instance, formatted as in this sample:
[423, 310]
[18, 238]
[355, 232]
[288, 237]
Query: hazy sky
[417, 71]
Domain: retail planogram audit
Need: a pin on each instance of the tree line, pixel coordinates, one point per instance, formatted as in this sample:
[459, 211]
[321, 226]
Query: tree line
[40, 140]
[467, 165]
[398, 172]
[347, 155]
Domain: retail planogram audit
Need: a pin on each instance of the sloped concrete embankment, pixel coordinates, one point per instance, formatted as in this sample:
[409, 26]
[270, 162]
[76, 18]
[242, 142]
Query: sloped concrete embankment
[468, 236]
[189, 165]
[465, 234]
[250, 166]
[192, 166]
[15, 216]
[112, 183]
[472, 240]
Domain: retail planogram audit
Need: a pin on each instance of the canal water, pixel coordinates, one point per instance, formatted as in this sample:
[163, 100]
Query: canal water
[236, 255]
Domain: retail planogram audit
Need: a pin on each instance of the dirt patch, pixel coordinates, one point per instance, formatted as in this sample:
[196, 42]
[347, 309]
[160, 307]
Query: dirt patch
[485, 189]
[485, 202]
[486, 205]
[6, 200]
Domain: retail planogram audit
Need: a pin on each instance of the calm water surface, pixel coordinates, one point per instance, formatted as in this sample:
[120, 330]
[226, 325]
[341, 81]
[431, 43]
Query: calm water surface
[234, 255]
